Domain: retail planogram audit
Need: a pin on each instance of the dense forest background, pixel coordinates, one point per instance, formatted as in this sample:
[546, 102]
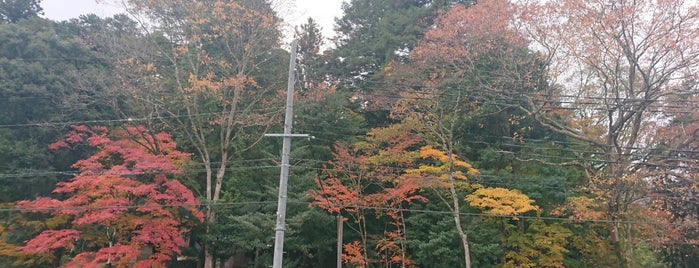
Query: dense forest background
[444, 134]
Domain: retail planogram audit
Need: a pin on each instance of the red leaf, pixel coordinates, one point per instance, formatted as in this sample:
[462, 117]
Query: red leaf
[51, 239]
[116, 191]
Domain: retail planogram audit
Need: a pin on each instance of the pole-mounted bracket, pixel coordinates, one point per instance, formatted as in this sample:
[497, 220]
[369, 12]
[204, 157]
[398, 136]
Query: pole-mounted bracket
[287, 135]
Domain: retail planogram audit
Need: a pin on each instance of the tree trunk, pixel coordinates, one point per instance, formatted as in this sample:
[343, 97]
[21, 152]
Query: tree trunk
[208, 256]
[446, 143]
[446, 136]
[618, 247]
[405, 238]
[365, 239]
[213, 196]
[457, 222]
[210, 215]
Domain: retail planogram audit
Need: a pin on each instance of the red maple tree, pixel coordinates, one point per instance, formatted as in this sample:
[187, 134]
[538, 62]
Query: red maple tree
[124, 209]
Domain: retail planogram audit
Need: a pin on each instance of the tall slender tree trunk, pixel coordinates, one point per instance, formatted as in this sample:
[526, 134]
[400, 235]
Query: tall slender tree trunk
[457, 216]
[365, 239]
[455, 207]
[208, 256]
[445, 134]
[210, 213]
[405, 238]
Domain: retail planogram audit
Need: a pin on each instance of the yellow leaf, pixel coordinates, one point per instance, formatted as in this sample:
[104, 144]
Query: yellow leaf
[501, 201]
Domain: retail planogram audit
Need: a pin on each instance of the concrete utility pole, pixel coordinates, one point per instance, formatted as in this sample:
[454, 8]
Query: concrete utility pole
[286, 149]
[339, 239]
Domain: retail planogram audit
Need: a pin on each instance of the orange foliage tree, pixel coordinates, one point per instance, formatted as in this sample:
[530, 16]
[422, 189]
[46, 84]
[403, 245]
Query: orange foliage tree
[615, 65]
[672, 177]
[121, 208]
[468, 58]
[202, 73]
[367, 178]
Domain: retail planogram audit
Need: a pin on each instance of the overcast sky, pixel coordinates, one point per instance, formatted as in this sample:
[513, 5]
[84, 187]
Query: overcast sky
[296, 11]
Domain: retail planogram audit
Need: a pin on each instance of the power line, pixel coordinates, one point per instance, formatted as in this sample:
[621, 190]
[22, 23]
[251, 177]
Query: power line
[414, 88]
[319, 133]
[48, 209]
[125, 120]
[88, 208]
[650, 151]
[550, 105]
[474, 178]
[529, 154]
[477, 178]
[237, 203]
[485, 100]
[183, 168]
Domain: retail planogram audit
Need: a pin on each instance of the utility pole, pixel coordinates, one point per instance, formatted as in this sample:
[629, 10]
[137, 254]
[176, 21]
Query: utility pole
[286, 150]
[340, 221]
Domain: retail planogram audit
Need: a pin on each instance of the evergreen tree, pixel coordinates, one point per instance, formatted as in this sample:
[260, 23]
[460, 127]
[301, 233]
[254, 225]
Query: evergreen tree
[43, 70]
[12, 11]
[310, 40]
[373, 32]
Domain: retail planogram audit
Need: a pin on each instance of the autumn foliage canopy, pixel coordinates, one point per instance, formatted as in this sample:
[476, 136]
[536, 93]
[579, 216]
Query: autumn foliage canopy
[122, 206]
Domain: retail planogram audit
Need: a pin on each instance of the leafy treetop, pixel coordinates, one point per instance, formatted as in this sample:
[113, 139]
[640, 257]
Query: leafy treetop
[121, 201]
[501, 201]
[11, 11]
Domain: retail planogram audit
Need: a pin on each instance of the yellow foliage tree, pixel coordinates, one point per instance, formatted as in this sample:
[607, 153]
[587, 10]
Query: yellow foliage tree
[440, 170]
[542, 245]
[536, 245]
[501, 201]
[445, 170]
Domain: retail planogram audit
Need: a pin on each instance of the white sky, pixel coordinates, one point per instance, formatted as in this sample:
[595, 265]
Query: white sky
[295, 12]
